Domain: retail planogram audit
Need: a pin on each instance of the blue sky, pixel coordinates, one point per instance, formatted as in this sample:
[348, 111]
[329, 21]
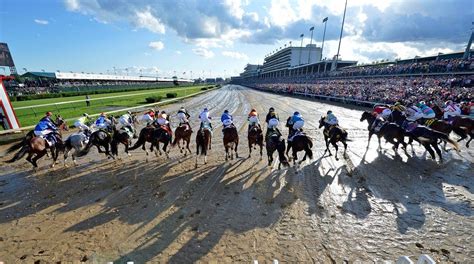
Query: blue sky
[217, 38]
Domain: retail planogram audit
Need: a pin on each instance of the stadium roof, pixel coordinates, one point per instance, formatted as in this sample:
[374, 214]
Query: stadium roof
[40, 75]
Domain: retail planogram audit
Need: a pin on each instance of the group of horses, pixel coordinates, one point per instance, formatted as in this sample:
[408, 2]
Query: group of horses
[107, 141]
[429, 134]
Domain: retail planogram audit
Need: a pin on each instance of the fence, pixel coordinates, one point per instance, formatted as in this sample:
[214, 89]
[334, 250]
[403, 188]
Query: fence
[122, 109]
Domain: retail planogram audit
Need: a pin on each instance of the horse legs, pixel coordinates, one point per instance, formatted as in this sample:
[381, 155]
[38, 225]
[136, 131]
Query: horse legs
[430, 150]
[66, 155]
[38, 156]
[28, 158]
[336, 147]
[295, 157]
[165, 145]
[107, 152]
[261, 151]
[370, 136]
[55, 154]
[235, 150]
[250, 149]
[179, 145]
[127, 145]
[187, 147]
[345, 147]
[327, 146]
[380, 144]
[469, 141]
[438, 151]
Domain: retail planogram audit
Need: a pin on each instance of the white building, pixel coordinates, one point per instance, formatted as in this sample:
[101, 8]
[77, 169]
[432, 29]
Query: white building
[251, 70]
[291, 57]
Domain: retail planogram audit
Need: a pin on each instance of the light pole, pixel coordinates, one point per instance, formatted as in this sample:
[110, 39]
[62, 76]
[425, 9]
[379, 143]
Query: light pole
[325, 21]
[301, 48]
[310, 43]
[340, 36]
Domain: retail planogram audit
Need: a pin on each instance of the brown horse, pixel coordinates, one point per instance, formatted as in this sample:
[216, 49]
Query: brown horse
[231, 142]
[146, 135]
[37, 147]
[299, 143]
[162, 135]
[390, 131]
[182, 133]
[203, 143]
[463, 126]
[255, 137]
[123, 136]
[333, 134]
[275, 142]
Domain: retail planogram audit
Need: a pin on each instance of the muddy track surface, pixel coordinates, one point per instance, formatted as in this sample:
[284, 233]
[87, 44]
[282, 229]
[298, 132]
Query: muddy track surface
[369, 206]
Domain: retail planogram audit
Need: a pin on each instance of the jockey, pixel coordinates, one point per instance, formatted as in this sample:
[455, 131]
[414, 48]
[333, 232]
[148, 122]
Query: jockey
[451, 110]
[253, 118]
[149, 116]
[46, 129]
[82, 124]
[163, 119]
[331, 119]
[428, 113]
[399, 107]
[413, 112]
[271, 115]
[298, 121]
[226, 119]
[183, 117]
[205, 118]
[103, 122]
[273, 121]
[126, 121]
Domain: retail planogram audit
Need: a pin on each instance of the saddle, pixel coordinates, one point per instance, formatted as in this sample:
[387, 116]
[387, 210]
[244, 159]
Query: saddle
[167, 129]
[379, 126]
[127, 130]
[328, 129]
[296, 134]
[229, 126]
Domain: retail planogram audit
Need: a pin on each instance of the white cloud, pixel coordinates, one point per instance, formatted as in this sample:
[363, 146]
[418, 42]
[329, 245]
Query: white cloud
[235, 55]
[281, 13]
[156, 45]
[203, 53]
[41, 21]
[178, 52]
[145, 19]
[72, 5]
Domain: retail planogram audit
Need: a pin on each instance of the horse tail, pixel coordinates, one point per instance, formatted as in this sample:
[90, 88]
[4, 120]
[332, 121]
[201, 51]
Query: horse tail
[23, 142]
[114, 147]
[446, 138]
[139, 143]
[20, 154]
[308, 147]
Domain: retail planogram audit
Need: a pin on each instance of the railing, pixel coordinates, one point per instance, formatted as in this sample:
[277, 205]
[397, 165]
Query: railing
[114, 111]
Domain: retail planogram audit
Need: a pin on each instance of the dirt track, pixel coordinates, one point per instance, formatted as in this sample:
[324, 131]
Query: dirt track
[370, 206]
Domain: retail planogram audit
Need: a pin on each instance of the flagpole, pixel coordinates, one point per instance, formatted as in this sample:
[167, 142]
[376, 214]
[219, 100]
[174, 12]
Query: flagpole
[310, 43]
[301, 48]
[340, 36]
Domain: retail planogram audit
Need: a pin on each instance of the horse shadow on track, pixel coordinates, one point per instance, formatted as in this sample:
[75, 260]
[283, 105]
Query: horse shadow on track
[409, 185]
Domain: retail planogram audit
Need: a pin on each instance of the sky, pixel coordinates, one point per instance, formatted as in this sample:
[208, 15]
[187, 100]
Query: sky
[217, 38]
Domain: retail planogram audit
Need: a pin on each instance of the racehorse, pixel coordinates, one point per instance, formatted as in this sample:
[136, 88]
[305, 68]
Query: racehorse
[59, 122]
[37, 147]
[430, 138]
[100, 138]
[299, 143]
[182, 133]
[255, 137]
[122, 135]
[231, 142]
[76, 141]
[161, 134]
[333, 134]
[390, 131]
[462, 126]
[276, 142]
[146, 135]
[203, 143]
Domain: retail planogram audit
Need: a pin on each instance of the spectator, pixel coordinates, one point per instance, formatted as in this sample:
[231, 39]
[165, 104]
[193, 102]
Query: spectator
[2, 121]
[88, 102]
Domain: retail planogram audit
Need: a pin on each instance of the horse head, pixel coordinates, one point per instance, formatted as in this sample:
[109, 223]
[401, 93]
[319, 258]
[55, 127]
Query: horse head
[62, 124]
[365, 116]
[321, 121]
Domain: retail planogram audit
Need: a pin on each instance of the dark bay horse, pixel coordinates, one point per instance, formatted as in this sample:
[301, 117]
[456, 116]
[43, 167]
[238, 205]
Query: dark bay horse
[299, 143]
[146, 135]
[462, 126]
[203, 143]
[255, 137]
[123, 136]
[276, 142]
[332, 135]
[231, 142]
[390, 131]
[182, 134]
[99, 138]
[162, 135]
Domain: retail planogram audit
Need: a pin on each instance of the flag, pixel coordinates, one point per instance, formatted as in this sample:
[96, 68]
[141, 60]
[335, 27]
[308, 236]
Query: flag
[302, 35]
[325, 19]
[311, 28]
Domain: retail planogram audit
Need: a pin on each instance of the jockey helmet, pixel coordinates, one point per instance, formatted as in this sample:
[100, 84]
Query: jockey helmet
[397, 104]
[422, 103]
[102, 114]
[329, 112]
[49, 113]
[226, 111]
[253, 110]
[296, 113]
[85, 114]
[271, 109]
[151, 110]
[129, 112]
[449, 102]
[205, 109]
[163, 112]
